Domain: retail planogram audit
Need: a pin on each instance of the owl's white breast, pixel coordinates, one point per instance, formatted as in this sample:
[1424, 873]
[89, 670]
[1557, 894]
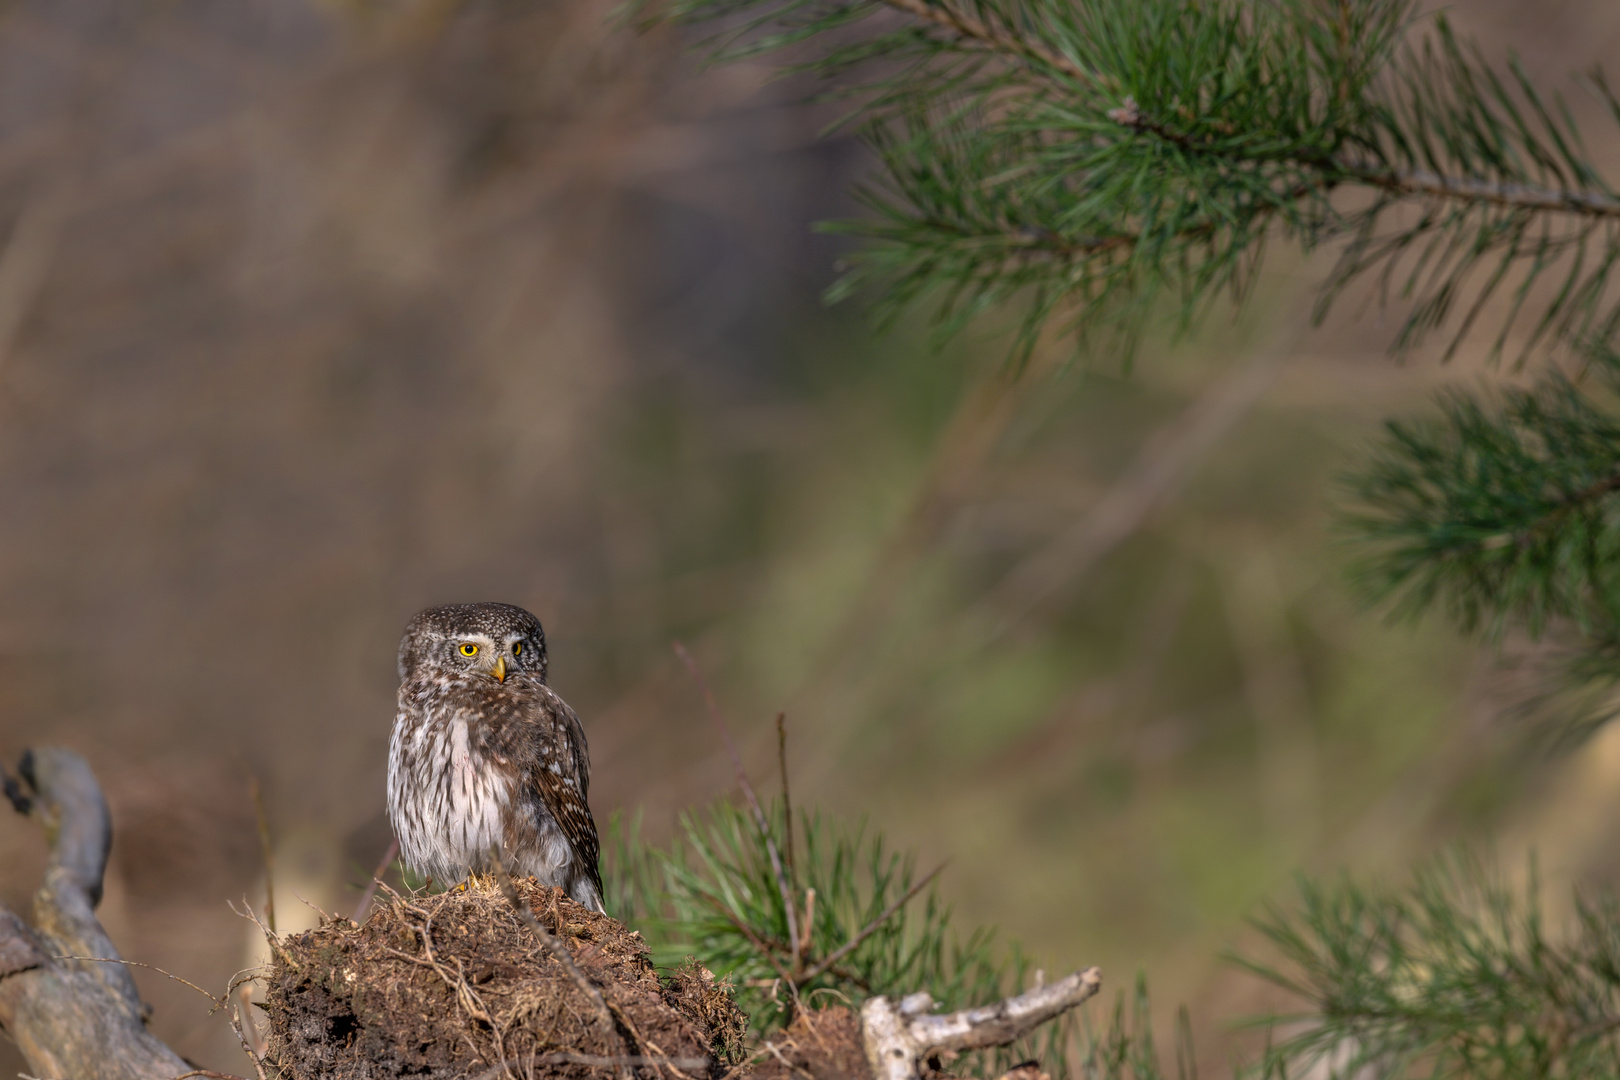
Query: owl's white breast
[455, 821]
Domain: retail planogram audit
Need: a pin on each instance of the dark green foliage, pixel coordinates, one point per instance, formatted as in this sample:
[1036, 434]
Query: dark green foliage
[1503, 511]
[1091, 157]
[1458, 975]
[1099, 160]
[713, 894]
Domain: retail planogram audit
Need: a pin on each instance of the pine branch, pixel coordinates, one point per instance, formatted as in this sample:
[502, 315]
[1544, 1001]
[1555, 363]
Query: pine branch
[1454, 976]
[1501, 509]
[1091, 157]
[1472, 190]
[967, 28]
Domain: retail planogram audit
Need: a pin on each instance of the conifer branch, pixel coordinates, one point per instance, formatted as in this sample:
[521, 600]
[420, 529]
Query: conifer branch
[1499, 508]
[1472, 190]
[1099, 161]
[1093, 156]
[970, 29]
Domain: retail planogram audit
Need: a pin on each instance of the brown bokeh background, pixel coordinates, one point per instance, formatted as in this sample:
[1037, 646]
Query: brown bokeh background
[314, 314]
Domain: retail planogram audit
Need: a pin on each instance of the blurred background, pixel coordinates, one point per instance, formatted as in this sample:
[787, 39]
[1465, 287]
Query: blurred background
[313, 314]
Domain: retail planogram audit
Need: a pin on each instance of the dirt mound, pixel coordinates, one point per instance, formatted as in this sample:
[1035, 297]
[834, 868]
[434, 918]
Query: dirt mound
[821, 1045]
[456, 985]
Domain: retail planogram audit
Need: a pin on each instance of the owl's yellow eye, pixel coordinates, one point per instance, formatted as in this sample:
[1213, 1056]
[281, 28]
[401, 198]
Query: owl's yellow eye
[517, 648]
[469, 649]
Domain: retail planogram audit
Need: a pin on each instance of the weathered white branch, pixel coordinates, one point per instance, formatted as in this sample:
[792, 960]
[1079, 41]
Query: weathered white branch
[901, 1035]
[71, 1018]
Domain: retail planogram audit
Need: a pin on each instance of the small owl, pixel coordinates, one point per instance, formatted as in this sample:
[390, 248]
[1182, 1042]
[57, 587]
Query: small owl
[488, 766]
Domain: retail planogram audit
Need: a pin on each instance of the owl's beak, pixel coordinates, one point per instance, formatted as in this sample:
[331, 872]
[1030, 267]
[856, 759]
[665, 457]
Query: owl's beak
[499, 670]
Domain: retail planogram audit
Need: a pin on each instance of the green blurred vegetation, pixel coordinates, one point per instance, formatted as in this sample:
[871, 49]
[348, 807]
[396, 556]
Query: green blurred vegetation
[349, 317]
[846, 564]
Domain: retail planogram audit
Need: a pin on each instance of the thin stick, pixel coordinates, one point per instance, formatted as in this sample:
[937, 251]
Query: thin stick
[205, 1072]
[244, 1009]
[753, 800]
[269, 857]
[364, 906]
[566, 959]
[787, 800]
[871, 927]
[809, 917]
[150, 967]
[236, 1023]
[270, 935]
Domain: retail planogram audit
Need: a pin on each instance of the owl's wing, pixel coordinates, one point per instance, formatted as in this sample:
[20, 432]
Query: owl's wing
[564, 781]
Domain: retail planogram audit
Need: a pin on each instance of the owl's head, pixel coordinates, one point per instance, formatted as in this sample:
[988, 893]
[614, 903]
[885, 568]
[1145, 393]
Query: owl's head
[494, 640]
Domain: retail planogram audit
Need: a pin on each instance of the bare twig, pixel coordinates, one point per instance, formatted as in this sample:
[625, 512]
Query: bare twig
[244, 1009]
[364, 906]
[1474, 190]
[976, 30]
[901, 1035]
[753, 800]
[867, 931]
[270, 935]
[247, 1047]
[787, 799]
[150, 967]
[809, 917]
[269, 856]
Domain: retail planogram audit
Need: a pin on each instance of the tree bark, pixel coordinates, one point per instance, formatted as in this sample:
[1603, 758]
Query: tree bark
[72, 1019]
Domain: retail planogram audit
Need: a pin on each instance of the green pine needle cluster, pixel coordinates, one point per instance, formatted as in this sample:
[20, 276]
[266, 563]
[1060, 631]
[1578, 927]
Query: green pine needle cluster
[713, 894]
[1504, 511]
[1101, 161]
[1501, 509]
[1458, 975]
[1092, 159]
[867, 922]
[1096, 161]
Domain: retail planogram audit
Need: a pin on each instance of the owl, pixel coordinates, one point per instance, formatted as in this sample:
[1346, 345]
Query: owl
[487, 768]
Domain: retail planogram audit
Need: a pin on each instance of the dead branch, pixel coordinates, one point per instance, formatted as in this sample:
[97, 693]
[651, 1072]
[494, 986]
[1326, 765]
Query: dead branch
[901, 1035]
[70, 1017]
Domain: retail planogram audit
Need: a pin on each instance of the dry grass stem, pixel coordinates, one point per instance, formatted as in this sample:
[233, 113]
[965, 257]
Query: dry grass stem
[269, 855]
[364, 906]
[753, 799]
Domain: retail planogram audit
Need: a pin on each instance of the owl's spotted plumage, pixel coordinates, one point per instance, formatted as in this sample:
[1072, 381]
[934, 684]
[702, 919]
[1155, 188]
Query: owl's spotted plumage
[488, 766]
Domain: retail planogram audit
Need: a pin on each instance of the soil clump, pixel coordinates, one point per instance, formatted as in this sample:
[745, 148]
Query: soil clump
[824, 1044]
[455, 985]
